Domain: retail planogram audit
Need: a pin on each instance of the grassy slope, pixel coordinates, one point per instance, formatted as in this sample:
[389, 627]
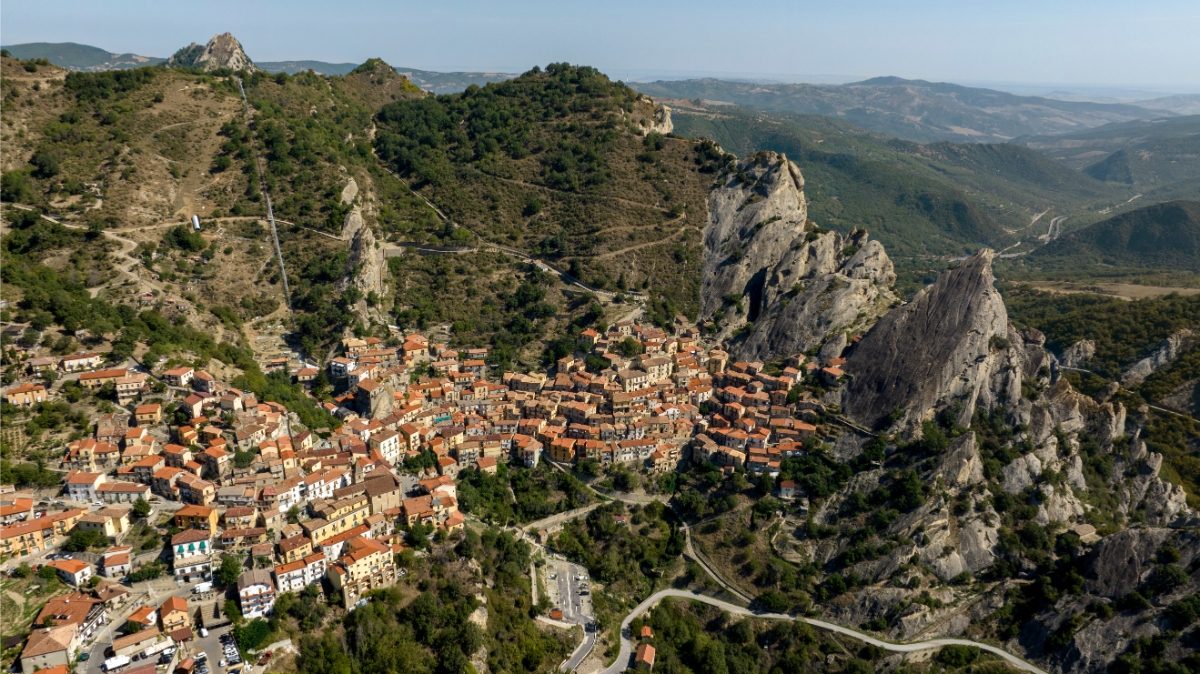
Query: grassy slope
[146, 148]
[127, 149]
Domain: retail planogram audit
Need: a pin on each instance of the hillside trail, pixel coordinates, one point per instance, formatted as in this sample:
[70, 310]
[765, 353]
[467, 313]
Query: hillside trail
[639, 246]
[125, 248]
[555, 190]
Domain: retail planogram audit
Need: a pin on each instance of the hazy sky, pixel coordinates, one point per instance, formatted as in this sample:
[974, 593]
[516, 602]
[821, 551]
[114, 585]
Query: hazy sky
[1141, 43]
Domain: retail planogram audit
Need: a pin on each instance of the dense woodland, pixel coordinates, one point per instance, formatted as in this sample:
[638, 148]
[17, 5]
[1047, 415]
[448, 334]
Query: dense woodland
[433, 632]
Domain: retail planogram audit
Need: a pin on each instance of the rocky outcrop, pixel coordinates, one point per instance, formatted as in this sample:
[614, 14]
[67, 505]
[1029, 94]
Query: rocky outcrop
[773, 284]
[950, 348]
[222, 52]
[1079, 353]
[366, 260]
[1164, 354]
[659, 121]
[1185, 397]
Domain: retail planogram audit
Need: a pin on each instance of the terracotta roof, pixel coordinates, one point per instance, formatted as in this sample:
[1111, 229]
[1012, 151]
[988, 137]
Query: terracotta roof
[173, 604]
[48, 640]
[189, 536]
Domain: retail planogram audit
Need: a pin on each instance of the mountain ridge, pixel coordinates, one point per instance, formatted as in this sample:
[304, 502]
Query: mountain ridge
[915, 110]
[88, 58]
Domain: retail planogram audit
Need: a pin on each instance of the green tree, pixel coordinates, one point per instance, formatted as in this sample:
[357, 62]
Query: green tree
[84, 539]
[231, 610]
[141, 508]
[250, 635]
[228, 571]
[45, 163]
[629, 347]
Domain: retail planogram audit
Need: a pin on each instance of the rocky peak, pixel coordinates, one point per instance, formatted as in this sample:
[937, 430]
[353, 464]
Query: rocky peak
[773, 283]
[222, 52]
[951, 346]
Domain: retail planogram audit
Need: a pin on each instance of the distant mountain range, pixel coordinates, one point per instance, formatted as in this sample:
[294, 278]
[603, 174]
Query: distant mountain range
[74, 56]
[912, 109]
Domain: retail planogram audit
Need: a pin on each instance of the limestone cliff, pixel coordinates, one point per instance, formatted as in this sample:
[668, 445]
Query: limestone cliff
[950, 348]
[773, 283]
[1078, 466]
[221, 52]
[1164, 354]
[366, 264]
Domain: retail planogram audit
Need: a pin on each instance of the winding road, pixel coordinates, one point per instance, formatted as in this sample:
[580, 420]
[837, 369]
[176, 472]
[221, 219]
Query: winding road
[627, 639]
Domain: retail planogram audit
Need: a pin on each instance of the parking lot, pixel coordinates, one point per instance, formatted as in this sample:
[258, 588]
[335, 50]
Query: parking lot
[220, 653]
[569, 589]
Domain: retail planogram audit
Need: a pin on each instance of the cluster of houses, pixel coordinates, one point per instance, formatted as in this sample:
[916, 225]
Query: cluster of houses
[303, 507]
[636, 396]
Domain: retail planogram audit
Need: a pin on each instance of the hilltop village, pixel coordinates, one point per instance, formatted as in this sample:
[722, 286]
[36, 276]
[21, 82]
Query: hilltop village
[249, 501]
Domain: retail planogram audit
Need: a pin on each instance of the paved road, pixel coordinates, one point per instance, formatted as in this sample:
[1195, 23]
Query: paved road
[627, 641]
[582, 651]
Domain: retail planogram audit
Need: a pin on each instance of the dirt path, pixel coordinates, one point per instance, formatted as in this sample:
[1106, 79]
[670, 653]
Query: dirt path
[629, 249]
[125, 248]
[544, 188]
[172, 126]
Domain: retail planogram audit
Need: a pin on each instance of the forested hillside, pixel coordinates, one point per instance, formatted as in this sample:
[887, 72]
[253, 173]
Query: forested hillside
[1159, 158]
[920, 200]
[562, 163]
[1163, 237]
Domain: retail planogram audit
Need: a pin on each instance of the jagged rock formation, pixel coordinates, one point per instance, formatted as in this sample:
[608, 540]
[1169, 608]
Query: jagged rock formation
[1077, 464]
[222, 52]
[1116, 566]
[366, 262]
[773, 283]
[1166, 352]
[952, 346]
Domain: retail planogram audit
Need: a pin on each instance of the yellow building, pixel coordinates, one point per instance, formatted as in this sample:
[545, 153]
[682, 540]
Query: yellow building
[367, 565]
